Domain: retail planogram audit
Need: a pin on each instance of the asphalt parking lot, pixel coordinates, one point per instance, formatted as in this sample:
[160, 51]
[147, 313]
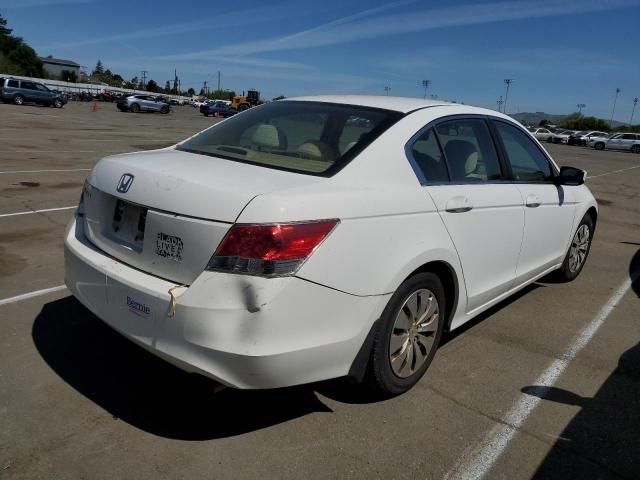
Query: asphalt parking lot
[79, 401]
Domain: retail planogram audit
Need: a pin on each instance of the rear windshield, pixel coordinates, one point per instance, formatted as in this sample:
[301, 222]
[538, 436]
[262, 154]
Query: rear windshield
[306, 137]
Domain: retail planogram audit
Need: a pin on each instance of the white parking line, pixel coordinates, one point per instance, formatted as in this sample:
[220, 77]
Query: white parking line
[29, 212]
[43, 171]
[614, 171]
[476, 463]
[36, 293]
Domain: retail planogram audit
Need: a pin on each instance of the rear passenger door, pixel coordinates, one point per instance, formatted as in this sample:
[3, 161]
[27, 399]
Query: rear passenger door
[549, 209]
[482, 213]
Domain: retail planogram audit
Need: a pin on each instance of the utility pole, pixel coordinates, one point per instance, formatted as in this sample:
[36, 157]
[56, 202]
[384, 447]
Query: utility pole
[508, 81]
[218, 80]
[425, 84]
[387, 89]
[500, 102]
[580, 107]
[614, 105]
[144, 78]
[633, 110]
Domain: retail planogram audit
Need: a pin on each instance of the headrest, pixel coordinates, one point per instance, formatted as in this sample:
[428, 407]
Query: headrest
[266, 136]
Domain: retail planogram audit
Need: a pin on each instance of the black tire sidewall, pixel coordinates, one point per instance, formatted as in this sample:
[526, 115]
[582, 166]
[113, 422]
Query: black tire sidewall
[135, 108]
[565, 273]
[635, 148]
[383, 378]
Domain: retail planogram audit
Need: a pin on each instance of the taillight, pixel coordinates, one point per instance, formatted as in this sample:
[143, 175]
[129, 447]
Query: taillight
[272, 250]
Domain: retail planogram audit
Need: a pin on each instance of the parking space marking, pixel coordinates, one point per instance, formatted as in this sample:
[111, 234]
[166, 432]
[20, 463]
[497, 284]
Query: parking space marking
[46, 171]
[29, 212]
[36, 293]
[614, 171]
[476, 463]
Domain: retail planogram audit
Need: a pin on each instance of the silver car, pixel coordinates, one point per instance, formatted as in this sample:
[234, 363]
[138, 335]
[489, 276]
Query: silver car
[619, 141]
[142, 103]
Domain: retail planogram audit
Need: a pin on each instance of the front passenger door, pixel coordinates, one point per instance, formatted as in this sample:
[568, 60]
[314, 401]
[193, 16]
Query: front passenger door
[482, 213]
[548, 208]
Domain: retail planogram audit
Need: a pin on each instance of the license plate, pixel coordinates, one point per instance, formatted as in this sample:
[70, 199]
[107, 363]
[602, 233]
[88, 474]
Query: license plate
[129, 222]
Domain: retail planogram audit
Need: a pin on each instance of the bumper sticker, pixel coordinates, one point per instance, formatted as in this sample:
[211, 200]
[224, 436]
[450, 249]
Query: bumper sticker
[169, 246]
[138, 308]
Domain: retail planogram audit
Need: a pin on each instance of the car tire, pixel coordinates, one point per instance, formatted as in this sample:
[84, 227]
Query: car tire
[550, 139]
[394, 366]
[135, 108]
[18, 100]
[578, 251]
[57, 103]
[242, 107]
[599, 146]
[635, 148]
[164, 110]
[206, 114]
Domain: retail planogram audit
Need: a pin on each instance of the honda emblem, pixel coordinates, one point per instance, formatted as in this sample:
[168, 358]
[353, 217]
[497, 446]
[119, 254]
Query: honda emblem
[125, 183]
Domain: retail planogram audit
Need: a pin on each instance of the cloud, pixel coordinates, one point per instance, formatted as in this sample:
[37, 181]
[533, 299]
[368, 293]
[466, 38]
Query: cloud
[227, 20]
[362, 27]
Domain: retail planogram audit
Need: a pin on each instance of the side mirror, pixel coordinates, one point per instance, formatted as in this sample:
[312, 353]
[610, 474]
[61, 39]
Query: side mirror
[571, 176]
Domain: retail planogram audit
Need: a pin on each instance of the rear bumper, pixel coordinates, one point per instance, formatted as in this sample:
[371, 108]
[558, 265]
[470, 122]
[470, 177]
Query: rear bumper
[245, 332]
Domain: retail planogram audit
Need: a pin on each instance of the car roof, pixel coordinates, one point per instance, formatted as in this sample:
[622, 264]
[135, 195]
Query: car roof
[398, 104]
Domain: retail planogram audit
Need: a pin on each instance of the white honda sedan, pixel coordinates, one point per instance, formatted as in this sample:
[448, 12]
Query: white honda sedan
[323, 237]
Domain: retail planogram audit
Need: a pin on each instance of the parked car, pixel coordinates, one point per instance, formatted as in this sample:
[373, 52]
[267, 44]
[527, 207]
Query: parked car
[542, 134]
[618, 141]
[561, 135]
[142, 103]
[26, 91]
[581, 138]
[217, 109]
[575, 137]
[272, 250]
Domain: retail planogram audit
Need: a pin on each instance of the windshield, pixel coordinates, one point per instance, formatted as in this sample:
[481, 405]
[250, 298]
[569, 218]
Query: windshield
[306, 137]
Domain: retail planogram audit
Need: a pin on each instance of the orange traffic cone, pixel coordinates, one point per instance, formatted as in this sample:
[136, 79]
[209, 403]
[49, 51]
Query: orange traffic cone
[95, 107]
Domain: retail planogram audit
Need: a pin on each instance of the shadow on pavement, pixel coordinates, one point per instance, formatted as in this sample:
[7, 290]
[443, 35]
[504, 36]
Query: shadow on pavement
[148, 393]
[603, 439]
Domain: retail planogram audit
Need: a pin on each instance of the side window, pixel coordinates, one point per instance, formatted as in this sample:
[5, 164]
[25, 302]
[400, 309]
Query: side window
[42, 88]
[628, 136]
[29, 85]
[469, 151]
[429, 159]
[12, 83]
[528, 163]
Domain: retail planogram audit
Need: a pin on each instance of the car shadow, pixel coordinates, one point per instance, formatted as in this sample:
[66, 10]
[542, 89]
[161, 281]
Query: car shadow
[148, 393]
[602, 440]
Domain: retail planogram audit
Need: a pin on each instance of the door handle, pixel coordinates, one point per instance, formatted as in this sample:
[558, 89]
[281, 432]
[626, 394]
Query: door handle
[458, 205]
[533, 201]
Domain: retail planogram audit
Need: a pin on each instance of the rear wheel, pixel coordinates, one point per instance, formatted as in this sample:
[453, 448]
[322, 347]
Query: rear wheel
[135, 108]
[635, 149]
[18, 100]
[242, 107]
[409, 333]
[164, 110]
[599, 146]
[57, 103]
[578, 250]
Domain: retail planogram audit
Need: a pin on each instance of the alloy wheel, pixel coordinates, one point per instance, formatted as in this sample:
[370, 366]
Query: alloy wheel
[414, 332]
[579, 248]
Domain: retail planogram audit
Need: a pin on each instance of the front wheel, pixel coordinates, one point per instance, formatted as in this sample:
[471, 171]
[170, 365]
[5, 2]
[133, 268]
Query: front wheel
[599, 146]
[578, 250]
[408, 336]
[635, 149]
[164, 110]
[135, 108]
[18, 100]
[57, 103]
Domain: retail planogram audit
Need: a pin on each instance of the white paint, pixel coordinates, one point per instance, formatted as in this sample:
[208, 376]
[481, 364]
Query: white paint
[36, 293]
[476, 463]
[46, 171]
[612, 172]
[29, 212]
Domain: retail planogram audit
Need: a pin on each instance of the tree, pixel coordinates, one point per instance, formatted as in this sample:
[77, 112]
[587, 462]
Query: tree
[3, 27]
[99, 68]
[191, 92]
[69, 76]
[577, 122]
[152, 86]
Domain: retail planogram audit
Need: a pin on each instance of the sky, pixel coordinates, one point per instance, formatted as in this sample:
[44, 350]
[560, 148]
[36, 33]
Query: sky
[559, 53]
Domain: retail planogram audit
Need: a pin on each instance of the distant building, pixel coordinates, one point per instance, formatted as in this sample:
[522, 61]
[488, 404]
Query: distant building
[55, 66]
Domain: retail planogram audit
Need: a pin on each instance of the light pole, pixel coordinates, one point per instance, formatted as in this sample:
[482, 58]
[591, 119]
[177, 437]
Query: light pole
[425, 84]
[387, 89]
[633, 110]
[580, 107]
[508, 81]
[500, 102]
[614, 105]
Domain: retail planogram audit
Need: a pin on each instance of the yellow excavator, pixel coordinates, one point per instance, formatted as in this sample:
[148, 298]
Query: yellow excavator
[244, 102]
